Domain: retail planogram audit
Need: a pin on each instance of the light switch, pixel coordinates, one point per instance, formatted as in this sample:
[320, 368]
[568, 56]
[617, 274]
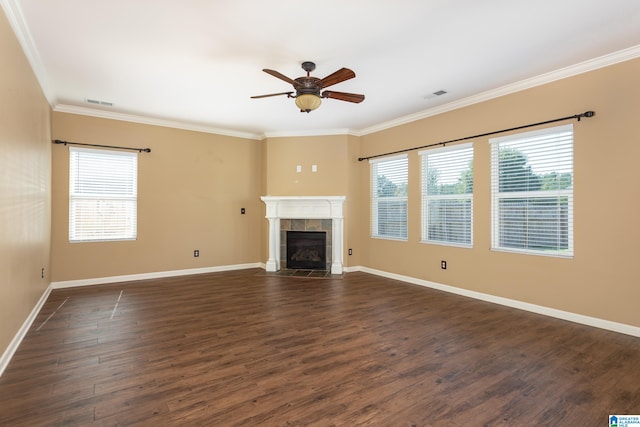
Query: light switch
[314, 168]
[299, 168]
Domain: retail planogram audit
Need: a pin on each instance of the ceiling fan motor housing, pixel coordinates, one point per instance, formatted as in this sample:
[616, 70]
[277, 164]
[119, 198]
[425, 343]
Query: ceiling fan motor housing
[308, 85]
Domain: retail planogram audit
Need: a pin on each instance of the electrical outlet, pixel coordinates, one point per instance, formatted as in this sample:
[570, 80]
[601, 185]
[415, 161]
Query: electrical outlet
[42, 273]
[443, 265]
[196, 253]
[350, 251]
[242, 211]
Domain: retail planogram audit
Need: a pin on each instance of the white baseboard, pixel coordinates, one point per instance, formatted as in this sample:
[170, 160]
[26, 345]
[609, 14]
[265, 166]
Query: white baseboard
[539, 309]
[22, 332]
[146, 276]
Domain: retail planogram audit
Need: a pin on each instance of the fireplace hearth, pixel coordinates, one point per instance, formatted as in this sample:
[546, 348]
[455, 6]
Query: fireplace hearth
[306, 250]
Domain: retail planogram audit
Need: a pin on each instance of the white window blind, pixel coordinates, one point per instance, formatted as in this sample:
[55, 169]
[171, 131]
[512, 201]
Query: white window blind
[532, 192]
[102, 195]
[447, 195]
[389, 182]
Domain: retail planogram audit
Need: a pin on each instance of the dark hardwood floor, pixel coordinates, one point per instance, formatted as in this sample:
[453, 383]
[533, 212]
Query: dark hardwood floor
[244, 348]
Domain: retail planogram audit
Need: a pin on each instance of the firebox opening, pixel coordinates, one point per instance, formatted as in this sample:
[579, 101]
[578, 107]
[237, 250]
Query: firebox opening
[307, 250]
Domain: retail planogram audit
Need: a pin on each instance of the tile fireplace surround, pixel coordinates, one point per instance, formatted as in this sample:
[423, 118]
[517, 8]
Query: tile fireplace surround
[305, 207]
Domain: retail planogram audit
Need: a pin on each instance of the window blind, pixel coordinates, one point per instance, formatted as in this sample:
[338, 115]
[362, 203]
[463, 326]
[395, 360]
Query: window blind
[532, 192]
[447, 195]
[102, 195]
[389, 183]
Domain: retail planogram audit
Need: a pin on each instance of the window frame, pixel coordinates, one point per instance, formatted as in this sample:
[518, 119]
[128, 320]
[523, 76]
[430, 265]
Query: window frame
[128, 198]
[375, 199]
[497, 196]
[464, 150]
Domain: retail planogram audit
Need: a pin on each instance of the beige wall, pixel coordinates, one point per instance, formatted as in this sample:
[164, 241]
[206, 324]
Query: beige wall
[355, 206]
[329, 153]
[191, 188]
[25, 187]
[602, 279]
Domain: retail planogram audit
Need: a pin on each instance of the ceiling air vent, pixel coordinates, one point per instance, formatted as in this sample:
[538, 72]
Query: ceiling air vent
[435, 94]
[98, 102]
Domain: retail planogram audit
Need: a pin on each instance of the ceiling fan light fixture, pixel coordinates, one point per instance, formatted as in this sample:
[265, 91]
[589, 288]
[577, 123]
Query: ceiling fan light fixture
[308, 102]
[309, 90]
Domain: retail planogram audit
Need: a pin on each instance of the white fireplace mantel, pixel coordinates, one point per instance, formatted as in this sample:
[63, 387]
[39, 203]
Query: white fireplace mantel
[305, 207]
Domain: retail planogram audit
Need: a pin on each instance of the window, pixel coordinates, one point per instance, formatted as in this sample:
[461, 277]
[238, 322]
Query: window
[102, 195]
[532, 192]
[447, 195]
[389, 182]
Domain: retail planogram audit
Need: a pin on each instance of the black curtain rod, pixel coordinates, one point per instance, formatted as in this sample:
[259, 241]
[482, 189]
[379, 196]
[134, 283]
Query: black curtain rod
[145, 150]
[575, 116]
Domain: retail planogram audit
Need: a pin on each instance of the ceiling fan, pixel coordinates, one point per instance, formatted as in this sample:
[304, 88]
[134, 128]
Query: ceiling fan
[309, 90]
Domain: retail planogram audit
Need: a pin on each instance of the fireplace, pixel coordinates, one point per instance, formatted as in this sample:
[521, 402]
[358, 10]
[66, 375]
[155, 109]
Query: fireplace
[306, 250]
[327, 209]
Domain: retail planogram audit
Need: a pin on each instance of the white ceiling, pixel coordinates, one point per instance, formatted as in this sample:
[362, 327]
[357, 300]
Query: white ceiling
[195, 63]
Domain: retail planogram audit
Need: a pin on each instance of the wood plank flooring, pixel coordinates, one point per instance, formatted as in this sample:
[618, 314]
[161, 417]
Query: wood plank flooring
[246, 349]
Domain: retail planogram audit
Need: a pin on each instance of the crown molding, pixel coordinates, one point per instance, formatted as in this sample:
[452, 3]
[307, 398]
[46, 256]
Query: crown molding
[573, 70]
[14, 14]
[84, 111]
[93, 112]
[317, 132]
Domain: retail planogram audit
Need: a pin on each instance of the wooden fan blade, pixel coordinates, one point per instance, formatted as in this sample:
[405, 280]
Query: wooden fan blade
[271, 94]
[343, 96]
[339, 76]
[282, 77]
